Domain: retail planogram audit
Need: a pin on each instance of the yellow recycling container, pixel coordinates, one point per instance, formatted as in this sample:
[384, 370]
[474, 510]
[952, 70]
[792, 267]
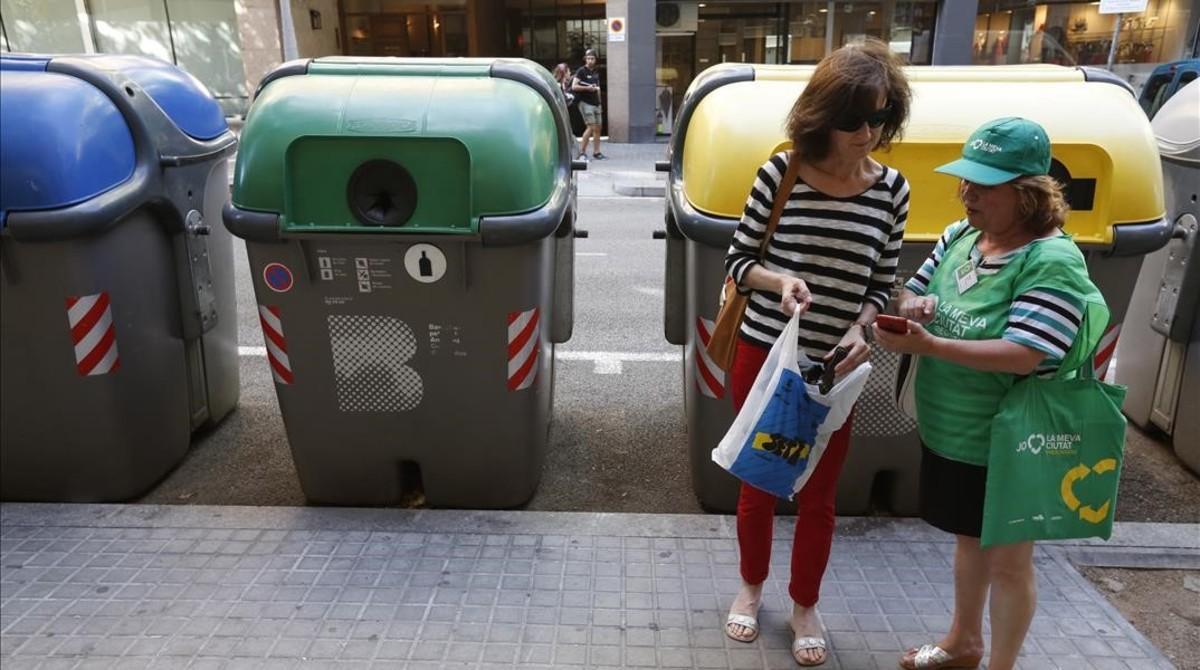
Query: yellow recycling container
[732, 119]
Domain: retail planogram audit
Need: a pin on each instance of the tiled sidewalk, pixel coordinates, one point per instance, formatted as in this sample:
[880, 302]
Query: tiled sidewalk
[103, 586]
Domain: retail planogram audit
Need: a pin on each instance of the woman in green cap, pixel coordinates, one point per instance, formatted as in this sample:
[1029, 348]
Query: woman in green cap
[1001, 297]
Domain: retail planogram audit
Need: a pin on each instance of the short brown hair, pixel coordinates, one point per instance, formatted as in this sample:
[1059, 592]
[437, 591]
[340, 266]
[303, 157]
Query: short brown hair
[849, 80]
[1041, 205]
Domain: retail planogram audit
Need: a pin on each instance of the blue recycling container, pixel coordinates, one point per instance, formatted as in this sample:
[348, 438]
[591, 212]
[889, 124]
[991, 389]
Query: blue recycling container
[118, 328]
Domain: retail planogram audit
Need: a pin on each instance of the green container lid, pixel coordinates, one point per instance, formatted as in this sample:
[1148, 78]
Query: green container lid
[399, 146]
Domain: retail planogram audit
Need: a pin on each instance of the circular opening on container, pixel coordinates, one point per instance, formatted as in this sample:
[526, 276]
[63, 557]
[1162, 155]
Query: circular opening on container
[129, 91]
[382, 193]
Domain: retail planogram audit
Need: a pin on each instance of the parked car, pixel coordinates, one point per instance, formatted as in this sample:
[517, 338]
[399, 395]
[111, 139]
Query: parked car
[1165, 81]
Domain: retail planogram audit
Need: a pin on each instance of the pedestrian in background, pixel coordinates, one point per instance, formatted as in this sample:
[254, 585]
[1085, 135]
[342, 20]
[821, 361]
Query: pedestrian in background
[833, 258]
[1000, 298]
[562, 74]
[586, 85]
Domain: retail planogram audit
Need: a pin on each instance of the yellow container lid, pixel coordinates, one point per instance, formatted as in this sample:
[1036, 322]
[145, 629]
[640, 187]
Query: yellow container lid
[1099, 133]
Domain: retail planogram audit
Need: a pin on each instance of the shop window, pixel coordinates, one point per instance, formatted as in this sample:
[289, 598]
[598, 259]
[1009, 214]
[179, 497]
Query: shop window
[195, 28]
[1076, 33]
[47, 26]
[132, 27]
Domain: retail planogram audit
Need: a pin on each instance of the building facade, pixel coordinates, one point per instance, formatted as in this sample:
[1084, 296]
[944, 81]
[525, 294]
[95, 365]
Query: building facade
[650, 51]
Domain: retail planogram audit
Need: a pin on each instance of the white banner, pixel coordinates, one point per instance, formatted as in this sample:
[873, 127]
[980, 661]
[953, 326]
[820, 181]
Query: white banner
[1123, 6]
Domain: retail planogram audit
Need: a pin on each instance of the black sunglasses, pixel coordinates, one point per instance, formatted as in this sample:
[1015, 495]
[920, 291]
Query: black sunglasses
[852, 121]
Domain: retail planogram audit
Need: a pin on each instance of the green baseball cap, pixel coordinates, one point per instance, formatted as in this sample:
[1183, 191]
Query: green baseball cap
[1002, 150]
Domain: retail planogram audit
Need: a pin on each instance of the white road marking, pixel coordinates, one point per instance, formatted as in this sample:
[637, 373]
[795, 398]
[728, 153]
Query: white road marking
[612, 362]
[591, 253]
[583, 196]
[608, 366]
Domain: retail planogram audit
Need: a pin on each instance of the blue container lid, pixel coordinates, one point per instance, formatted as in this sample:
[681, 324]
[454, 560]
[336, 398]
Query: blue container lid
[180, 95]
[62, 141]
[31, 62]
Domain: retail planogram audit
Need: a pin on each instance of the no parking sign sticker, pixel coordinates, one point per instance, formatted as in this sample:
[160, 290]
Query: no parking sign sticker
[616, 29]
[278, 277]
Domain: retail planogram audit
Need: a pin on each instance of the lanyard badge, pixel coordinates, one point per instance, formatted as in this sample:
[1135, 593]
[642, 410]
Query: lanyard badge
[965, 276]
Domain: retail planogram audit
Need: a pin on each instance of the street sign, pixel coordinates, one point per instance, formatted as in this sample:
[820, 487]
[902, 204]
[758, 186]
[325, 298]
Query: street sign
[616, 29]
[1123, 6]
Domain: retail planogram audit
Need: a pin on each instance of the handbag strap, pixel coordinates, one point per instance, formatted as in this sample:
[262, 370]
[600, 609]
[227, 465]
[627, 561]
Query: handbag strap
[782, 195]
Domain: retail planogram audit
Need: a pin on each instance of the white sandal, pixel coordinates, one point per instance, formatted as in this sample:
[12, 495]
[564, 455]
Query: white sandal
[933, 657]
[806, 643]
[744, 620]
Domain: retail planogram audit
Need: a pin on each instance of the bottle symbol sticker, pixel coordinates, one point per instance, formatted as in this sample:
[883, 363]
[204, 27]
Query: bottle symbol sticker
[425, 263]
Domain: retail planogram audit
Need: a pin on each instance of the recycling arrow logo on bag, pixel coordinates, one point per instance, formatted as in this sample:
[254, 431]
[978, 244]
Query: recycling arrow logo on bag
[1086, 512]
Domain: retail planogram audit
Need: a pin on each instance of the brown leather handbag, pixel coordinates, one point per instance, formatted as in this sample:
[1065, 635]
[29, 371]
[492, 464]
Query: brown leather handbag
[722, 344]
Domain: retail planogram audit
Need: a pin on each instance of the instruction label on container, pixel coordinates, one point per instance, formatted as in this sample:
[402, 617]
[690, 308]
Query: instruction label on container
[446, 339]
[425, 263]
[359, 274]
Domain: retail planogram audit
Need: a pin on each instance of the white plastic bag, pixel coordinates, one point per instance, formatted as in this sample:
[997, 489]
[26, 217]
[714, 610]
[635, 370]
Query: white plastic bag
[780, 434]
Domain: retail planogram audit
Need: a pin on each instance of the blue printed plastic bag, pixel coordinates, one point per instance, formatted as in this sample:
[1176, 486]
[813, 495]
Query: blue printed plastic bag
[783, 428]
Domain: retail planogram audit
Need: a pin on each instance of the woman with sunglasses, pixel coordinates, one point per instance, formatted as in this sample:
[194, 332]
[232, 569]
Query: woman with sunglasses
[833, 259]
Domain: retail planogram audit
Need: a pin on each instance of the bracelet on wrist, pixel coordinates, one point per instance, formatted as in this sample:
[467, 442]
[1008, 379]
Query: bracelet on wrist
[865, 328]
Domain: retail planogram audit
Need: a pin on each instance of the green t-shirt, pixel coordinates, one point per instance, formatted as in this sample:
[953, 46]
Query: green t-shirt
[956, 404]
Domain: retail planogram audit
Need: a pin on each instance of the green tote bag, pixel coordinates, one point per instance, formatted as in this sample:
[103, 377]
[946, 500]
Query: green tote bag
[1056, 454]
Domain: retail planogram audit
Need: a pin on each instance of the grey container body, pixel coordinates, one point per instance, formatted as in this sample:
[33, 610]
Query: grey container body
[429, 374]
[1162, 369]
[70, 437]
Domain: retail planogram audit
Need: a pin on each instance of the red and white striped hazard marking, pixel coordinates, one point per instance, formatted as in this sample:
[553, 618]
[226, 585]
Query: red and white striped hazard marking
[710, 379]
[1104, 352]
[93, 334]
[524, 342]
[281, 366]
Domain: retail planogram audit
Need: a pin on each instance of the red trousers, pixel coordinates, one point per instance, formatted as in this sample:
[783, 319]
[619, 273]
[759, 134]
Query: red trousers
[814, 502]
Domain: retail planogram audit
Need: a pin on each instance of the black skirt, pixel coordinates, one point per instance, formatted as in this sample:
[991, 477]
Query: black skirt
[951, 494]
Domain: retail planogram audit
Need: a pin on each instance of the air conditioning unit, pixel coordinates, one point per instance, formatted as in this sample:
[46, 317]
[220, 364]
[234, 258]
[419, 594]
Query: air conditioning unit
[676, 17]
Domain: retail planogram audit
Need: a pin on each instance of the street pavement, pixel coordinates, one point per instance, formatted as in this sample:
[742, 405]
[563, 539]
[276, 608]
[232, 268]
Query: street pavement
[138, 586]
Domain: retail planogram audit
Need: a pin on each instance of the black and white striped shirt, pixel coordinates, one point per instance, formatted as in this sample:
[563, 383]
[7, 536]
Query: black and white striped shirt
[845, 249]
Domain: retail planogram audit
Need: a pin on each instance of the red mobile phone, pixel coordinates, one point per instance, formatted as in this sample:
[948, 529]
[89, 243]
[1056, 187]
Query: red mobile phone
[892, 324]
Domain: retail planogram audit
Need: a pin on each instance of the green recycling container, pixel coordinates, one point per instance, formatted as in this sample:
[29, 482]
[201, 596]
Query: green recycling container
[410, 230]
